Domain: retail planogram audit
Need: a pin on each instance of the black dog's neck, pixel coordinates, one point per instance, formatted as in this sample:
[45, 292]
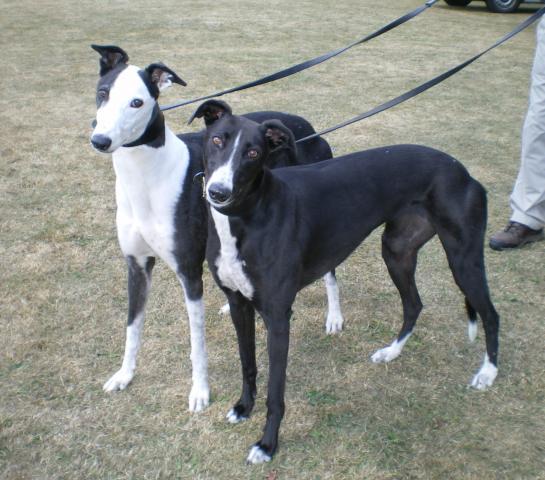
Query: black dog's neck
[154, 134]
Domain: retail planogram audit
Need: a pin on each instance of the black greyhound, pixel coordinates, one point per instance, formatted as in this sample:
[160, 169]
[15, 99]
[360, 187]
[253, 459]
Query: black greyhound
[271, 233]
[160, 209]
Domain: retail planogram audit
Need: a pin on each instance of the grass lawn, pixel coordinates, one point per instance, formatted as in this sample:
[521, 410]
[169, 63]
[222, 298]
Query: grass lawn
[63, 277]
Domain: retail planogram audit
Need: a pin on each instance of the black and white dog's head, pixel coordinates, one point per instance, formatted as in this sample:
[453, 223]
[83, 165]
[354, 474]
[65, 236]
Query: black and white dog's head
[236, 150]
[126, 98]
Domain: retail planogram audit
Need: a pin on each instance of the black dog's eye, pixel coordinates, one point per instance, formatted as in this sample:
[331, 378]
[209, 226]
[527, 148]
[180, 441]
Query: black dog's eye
[217, 141]
[102, 94]
[137, 103]
[253, 154]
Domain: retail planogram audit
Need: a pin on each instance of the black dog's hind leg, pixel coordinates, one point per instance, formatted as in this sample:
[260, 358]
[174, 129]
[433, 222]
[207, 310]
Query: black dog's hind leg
[462, 233]
[243, 315]
[401, 240]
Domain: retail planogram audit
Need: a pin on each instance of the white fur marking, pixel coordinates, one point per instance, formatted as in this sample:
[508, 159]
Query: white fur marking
[200, 393]
[225, 310]
[228, 262]
[257, 455]
[485, 376]
[472, 330]
[387, 354]
[232, 417]
[125, 374]
[224, 174]
[334, 322]
[148, 186]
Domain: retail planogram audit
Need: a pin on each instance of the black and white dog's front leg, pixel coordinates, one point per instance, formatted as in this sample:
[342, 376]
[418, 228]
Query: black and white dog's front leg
[139, 282]
[278, 334]
[193, 290]
[243, 315]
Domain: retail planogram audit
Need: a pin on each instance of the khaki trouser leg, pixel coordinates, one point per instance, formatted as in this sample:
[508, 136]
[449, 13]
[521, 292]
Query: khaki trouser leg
[528, 197]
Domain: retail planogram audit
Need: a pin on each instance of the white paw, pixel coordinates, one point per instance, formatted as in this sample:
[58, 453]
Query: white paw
[257, 455]
[334, 323]
[198, 398]
[485, 376]
[386, 354]
[225, 309]
[118, 381]
[233, 417]
[472, 331]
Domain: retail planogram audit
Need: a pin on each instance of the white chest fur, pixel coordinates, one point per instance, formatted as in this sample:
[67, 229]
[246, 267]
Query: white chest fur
[148, 187]
[228, 262]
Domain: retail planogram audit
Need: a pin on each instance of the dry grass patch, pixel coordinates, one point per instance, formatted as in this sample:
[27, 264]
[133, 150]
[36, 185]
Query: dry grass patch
[63, 278]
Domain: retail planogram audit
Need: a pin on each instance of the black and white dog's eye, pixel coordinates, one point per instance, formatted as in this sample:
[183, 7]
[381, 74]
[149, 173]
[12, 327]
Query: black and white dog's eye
[253, 154]
[217, 141]
[137, 103]
[102, 94]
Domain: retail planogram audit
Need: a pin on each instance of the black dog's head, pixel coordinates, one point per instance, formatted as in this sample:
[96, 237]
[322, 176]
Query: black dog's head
[126, 97]
[236, 151]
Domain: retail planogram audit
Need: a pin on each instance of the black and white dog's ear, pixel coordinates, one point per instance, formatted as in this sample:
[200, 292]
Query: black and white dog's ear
[211, 110]
[278, 135]
[110, 57]
[162, 76]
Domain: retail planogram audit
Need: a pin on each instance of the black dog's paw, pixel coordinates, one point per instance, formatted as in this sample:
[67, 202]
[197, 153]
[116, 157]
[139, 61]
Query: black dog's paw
[258, 454]
[237, 414]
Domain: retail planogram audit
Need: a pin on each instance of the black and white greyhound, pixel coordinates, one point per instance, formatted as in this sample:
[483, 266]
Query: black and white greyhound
[160, 208]
[272, 233]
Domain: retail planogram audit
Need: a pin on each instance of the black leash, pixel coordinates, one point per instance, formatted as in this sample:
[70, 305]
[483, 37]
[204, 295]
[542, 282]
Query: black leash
[309, 63]
[431, 83]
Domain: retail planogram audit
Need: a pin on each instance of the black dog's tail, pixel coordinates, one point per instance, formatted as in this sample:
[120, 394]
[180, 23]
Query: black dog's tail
[472, 321]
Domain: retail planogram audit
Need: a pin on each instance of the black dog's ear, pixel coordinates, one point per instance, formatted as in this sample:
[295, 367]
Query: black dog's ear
[110, 57]
[211, 110]
[162, 76]
[278, 135]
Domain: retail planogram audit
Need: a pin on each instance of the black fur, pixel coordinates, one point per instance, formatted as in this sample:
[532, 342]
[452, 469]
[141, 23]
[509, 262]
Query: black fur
[292, 225]
[138, 283]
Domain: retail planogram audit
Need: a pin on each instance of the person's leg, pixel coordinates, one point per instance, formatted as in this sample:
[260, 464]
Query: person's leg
[528, 197]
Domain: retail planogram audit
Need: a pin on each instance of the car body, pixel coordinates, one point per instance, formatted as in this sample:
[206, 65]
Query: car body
[498, 6]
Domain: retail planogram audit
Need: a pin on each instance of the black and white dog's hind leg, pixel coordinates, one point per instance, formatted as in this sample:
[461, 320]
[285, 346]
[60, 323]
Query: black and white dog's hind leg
[334, 320]
[139, 282]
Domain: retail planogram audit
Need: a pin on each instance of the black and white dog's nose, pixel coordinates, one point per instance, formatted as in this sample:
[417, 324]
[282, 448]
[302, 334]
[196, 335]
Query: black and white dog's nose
[219, 193]
[101, 142]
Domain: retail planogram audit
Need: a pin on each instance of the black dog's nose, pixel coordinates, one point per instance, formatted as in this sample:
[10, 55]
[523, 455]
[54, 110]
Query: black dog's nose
[218, 192]
[101, 142]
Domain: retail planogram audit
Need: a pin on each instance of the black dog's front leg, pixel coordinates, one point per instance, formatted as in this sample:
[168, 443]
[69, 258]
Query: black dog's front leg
[243, 315]
[278, 336]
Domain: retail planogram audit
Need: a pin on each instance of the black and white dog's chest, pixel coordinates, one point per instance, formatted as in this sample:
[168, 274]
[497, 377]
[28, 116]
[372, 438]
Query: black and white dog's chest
[148, 190]
[229, 264]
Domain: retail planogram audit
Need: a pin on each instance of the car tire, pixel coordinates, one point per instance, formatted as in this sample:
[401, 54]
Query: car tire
[458, 3]
[502, 6]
